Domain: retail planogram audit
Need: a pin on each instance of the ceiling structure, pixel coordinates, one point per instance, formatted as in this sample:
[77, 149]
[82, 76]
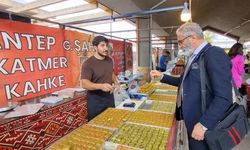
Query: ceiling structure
[59, 13]
[229, 17]
[223, 16]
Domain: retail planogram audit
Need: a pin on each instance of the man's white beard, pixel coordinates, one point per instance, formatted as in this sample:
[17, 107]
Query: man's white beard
[185, 52]
[188, 52]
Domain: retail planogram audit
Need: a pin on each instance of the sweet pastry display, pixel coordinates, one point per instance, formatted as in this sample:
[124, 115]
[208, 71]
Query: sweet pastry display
[152, 118]
[83, 138]
[143, 137]
[112, 118]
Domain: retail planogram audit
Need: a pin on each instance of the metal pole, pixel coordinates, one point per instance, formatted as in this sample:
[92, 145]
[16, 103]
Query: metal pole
[150, 33]
[155, 40]
[190, 8]
[147, 37]
[152, 64]
[144, 40]
[162, 44]
[159, 28]
[95, 32]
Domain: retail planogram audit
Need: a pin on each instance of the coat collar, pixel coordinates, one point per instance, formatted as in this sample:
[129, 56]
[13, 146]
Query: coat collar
[196, 57]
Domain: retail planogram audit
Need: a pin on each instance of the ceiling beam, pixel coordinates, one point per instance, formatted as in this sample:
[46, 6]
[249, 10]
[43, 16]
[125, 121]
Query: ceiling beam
[83, 17]
[104, 7]
[244, 38]
[67, 26]
[3, 7]
[221, 32]
[94, 23]
[11, 3]
[91, 1]
[33, 5]
[238, 26]
[129, 15]
[65, 21]
[47, 24]
[76, 25]
[67, 11]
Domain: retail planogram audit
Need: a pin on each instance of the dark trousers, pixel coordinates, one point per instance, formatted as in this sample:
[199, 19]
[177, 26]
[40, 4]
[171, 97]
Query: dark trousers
[197, 145]
[243, 90]
[97, 102]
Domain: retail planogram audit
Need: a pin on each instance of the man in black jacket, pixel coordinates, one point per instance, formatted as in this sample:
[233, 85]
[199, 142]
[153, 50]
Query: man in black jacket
[218, 66]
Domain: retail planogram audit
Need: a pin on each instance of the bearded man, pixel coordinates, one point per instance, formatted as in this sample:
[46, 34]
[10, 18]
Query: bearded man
[189, 103]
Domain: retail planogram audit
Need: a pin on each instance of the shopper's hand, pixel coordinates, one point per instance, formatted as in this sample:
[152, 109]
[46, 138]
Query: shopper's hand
[198, 132]
[106, 87]
[155, 74]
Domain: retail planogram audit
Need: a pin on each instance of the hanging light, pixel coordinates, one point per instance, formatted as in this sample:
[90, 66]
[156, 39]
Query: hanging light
[185, 13]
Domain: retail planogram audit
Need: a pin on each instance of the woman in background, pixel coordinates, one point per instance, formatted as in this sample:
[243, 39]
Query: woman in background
[237, 59]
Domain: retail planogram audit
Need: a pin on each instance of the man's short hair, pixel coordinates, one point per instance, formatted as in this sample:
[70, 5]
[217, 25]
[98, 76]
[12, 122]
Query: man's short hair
[190, 28]
[98, 39]
[165, 51]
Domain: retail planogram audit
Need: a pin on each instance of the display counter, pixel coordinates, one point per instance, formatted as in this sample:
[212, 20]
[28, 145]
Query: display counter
[39, 130]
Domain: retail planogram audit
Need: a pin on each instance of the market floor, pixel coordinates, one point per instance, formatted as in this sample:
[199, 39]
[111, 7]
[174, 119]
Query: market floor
[245, 144]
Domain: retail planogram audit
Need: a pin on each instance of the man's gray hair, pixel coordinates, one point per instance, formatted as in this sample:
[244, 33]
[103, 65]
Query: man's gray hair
[190, 28]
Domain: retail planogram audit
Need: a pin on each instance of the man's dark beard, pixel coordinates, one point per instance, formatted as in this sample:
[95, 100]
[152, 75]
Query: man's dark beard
[102, 54]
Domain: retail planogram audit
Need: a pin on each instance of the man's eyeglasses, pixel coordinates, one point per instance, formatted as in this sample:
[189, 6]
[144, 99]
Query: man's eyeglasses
[182, 40]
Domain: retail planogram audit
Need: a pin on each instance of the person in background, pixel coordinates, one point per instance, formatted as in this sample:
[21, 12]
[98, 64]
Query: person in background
[189, 102]
[164, 60]
[248, 56]
[97, 77]
[237, 60]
